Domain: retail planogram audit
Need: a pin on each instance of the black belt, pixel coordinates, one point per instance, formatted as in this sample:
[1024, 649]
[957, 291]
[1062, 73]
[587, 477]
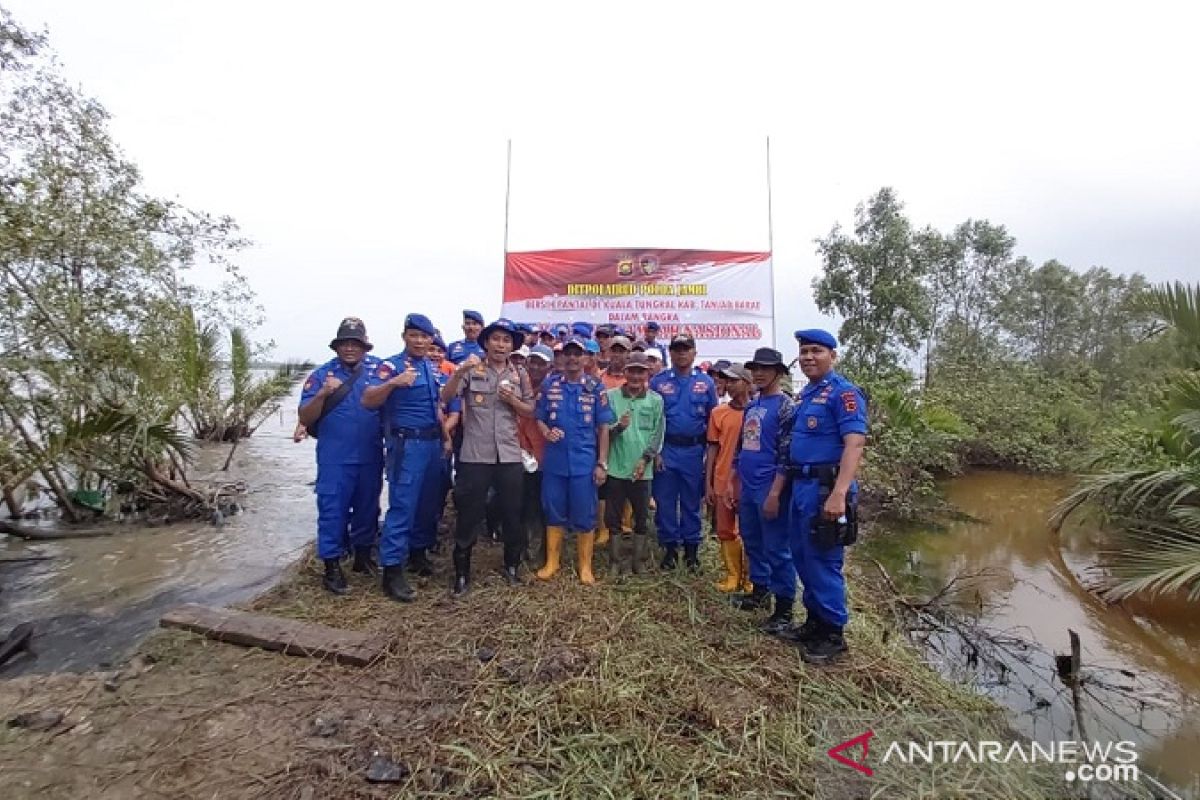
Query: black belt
[684, 441]
[432, 432]
[822, 472]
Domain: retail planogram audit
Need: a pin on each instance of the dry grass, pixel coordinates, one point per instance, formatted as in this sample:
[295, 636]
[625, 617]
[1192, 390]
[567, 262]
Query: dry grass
[654, 687]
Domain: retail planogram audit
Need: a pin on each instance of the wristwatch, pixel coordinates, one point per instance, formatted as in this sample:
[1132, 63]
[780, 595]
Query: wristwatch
[602, 465]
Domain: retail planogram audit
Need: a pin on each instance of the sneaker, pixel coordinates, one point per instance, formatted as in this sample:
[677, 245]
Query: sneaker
[824, 647]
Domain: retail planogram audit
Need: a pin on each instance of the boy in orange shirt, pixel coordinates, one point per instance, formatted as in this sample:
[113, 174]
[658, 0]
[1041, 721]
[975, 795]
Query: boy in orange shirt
[724, 431]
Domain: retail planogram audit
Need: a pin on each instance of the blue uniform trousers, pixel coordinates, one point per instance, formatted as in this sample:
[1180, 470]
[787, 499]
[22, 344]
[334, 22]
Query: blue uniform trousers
[414, 478]
[766, 543]
[678, 487]
[347, 500]
[570, 502]
[820, 569]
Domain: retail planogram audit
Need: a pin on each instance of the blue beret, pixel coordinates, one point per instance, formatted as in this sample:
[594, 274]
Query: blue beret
[652, 325]
[419, 322]
[475, 315]
[440, 342]
[583, 329]
[817, 336]
[560, 328]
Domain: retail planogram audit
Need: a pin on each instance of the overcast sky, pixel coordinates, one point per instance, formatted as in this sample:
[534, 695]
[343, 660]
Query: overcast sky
[361, 145]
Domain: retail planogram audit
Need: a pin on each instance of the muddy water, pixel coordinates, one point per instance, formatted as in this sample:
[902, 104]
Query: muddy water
[95, 599]
[1143, 658]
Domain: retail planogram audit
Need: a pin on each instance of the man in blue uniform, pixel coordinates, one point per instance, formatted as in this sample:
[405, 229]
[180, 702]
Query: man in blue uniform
[651, 339]
[689, 396]
[762, 515]
[573, 415]
[469, 345]
[404, 386]
[826, 442]
[349, 453]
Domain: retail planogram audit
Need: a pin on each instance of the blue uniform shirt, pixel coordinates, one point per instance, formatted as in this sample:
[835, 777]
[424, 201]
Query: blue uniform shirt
[687, 401]
[763, 423]
[463, 349]
[579, 410]
[413, 406]
[349, 433]
[827, 410]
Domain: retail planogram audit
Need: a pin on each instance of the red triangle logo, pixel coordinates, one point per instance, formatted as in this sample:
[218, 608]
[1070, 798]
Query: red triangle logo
[864, 739]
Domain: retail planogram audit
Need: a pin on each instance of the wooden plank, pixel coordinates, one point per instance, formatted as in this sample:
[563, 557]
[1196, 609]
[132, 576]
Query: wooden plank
[288, 636]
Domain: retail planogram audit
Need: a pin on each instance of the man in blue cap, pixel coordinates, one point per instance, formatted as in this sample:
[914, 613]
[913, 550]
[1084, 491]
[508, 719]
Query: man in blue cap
[349, 453]
[827, 438]
[493, 392]
[764, 525]
[651, 339]
[689, 396]
[405, 388]
[468, 346]
[573, 416]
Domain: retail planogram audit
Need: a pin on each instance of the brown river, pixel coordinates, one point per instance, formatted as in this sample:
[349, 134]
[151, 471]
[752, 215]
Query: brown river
[93, 600]
[1141, 659]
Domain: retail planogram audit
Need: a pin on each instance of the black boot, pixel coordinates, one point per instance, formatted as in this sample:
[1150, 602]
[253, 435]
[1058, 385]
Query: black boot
[364, 561]
[691, 557]
[419, 563]
[462, 571]
[334, 581]
[512, 576]
[781, 618]
[670, 557]
[395, 585]
[825, 645]
[802, 634]
[758, 598]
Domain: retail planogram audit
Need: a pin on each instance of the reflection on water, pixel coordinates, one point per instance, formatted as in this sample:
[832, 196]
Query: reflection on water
[95, 598]
[1147, 653]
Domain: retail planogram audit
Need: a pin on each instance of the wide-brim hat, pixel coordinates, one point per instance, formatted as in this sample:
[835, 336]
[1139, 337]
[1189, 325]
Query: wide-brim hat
[507, 326]
[351, 329]
[767, 357]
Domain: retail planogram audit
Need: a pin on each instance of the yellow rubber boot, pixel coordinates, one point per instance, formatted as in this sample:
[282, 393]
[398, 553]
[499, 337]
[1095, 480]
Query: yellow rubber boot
[601, 525]
[744, 568]
[730, 557]
[585, 544]
[627, 519]
[554, 540]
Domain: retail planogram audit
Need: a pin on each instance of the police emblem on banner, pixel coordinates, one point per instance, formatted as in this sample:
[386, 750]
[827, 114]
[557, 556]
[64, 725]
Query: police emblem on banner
[625, 268]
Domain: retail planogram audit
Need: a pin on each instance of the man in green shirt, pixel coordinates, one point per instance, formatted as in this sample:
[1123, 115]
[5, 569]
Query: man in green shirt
[633, 442]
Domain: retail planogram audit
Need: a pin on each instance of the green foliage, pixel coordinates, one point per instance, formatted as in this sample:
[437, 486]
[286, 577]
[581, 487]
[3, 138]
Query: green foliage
[91, 383]
[873, 280]
[1147, 480]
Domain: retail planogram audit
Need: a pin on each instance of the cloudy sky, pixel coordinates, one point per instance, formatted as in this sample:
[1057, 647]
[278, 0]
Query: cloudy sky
[361, 145]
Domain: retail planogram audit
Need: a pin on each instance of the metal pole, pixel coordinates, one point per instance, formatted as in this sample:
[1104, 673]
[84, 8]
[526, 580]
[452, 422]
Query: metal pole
[771, 242]
[507, 195]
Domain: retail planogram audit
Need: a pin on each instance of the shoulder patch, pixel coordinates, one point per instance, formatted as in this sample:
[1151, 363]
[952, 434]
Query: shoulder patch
[385, 370]
[849, 402]
[311, 383]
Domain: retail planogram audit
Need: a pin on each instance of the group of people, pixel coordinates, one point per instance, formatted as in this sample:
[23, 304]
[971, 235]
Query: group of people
[582, 431]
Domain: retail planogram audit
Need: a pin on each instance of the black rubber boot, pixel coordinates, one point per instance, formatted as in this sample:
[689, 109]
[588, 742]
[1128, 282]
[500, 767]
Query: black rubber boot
[825, 645]
[462, 571]
[419, 563]
[640, 545]
[757, 599]
[364, 561]
[512, 576]
[334, 580]
[781, 618]
[691, 557]
[670, 557]
[395, 585]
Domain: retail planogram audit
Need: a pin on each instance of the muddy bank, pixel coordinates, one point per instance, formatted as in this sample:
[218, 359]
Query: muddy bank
[92, 600]
[654, 687]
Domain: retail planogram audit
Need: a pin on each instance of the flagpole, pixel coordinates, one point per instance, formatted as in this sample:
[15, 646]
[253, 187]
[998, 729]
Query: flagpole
[507, 196]
[771, 242]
